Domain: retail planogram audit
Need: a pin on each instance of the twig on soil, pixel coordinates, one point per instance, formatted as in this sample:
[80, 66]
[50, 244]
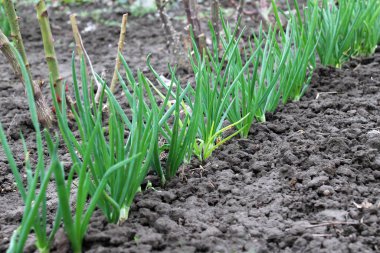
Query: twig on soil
[333, 223]
[123, 31]
[321, 93]
[182, 175]
[322, 235]
[358, 66]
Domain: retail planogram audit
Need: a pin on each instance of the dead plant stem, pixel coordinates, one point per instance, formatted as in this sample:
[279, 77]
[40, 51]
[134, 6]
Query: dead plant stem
[123, 31]
[43, 110]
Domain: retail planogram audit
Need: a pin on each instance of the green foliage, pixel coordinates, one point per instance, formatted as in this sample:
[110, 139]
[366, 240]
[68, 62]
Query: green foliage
[205, 116]
[256, 91]
[250, 84]
[368, 34]
[106, 150]
[177, 139]
[346, 29]
[4, 23]
[111, 155]
[34, 193]
[76, 226]
[301, 36]
[216, 88]
[177, 122]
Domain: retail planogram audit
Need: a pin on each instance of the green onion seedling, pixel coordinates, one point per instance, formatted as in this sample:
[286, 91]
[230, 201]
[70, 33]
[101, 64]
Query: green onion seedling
[34, 193]
[110, 148]
[301, 62]
[368, 34]
[178, 118]
[346, 30]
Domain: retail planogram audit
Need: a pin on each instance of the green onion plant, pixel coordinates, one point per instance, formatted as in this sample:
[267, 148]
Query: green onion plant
[256, 91]
[337, 27]
[368, 34]
[112, 153]
[346, 29]
[302, 37]
[178, 118]
[76, 225]
[109, 149]
[213, 78]
[37, 180]
[178, 124]
[241, 109]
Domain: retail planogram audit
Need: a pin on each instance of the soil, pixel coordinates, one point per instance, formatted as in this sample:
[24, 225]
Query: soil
[307, 180]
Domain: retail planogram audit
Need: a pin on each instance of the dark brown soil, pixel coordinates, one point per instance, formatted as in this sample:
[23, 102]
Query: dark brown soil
[308, 180]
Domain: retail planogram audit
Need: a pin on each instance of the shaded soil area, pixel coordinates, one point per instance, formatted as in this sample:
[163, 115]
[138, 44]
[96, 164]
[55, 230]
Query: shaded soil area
[307, 180]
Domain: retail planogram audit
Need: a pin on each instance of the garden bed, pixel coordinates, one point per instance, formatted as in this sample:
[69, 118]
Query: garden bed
[290, 187]
[307, 180]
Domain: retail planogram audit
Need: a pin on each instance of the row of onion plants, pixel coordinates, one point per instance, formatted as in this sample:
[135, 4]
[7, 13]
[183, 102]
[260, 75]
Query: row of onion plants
[235, 84]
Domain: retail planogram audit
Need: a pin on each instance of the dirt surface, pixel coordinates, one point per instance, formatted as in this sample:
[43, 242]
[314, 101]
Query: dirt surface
[308, 180]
